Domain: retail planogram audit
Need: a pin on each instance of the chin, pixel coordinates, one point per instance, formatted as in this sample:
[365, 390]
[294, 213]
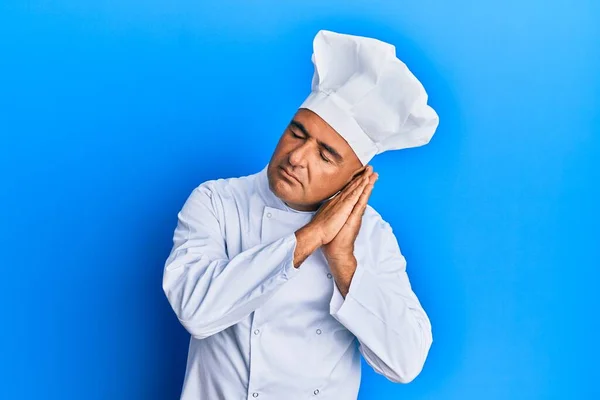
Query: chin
[281, 189]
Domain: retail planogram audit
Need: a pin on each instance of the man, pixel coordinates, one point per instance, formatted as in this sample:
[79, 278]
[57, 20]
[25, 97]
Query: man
[285, 277]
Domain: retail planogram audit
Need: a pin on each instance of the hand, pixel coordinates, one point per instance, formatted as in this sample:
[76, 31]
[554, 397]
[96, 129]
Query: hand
[341, 248]
[332, 215]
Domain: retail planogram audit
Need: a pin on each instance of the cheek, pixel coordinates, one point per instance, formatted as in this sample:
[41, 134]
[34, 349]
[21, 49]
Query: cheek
[277, 151]
[284, 146]
[326, 183]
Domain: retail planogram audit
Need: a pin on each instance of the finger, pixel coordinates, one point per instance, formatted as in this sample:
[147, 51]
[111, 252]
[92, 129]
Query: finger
[352, 187]
[373, 178]
[353, 194]
[343, 192]
[351, 184]
[357, 179]
[366, 170]
[361, 204]
[352, 200]
[359, 171]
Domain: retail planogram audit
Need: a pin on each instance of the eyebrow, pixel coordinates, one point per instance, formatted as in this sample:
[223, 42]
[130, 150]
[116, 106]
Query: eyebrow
[327, 147]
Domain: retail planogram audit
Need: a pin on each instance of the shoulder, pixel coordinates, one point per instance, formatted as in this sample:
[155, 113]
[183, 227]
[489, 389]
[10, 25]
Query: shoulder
[377, 234]
[380, 244]
[373, 223]
[218, 201]
[227, 189]
[222, 199]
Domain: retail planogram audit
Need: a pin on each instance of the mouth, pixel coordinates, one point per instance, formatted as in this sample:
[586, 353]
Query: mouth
[287, 176]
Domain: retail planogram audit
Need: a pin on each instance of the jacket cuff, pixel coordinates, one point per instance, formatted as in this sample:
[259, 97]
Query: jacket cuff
[338, 303]
[288, 269]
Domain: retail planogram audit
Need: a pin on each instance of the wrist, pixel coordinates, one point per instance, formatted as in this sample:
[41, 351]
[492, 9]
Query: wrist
[341, 258]
[310, 235]
[315, 232]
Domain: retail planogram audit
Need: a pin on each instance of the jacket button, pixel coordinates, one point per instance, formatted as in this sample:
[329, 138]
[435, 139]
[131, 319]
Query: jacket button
[318, 331]
[269, 215]
[254, 394]
[316, 391]
[256, 332]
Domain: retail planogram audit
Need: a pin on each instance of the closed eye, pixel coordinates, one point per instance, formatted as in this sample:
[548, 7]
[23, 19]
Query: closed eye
[330, 150]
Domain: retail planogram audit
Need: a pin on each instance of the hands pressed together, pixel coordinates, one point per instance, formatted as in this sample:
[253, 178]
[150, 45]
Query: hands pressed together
[338, 221]
[336, 224]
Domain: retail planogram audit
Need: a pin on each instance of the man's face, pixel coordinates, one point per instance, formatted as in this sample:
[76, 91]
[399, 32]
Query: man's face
[311, 162]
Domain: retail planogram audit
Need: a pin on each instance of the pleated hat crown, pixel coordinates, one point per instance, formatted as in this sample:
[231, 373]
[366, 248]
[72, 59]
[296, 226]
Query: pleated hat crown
[370, 97]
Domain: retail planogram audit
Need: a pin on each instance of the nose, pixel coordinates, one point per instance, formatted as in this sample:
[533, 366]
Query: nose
[298, 156]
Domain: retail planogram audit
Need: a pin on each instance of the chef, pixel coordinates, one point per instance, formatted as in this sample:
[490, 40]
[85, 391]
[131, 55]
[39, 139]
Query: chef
[285, 277]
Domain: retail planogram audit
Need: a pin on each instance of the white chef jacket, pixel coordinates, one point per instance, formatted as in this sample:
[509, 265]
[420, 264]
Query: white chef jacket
[262, 329]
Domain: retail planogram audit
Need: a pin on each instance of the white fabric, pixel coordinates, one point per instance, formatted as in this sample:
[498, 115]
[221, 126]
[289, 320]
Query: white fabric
[368, 95]
[263, 329]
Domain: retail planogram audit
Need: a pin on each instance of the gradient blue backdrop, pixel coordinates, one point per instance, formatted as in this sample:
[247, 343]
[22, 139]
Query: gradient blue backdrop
[112, 112]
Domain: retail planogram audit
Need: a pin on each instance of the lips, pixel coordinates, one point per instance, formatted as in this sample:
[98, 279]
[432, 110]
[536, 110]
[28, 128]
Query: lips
[288, 175]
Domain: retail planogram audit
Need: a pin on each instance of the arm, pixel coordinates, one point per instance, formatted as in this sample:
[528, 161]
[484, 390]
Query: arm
[210, 292]
[383, 312]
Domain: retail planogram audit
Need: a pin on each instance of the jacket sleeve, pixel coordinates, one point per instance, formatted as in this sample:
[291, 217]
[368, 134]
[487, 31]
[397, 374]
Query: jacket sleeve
[208, 291]
[382, 311]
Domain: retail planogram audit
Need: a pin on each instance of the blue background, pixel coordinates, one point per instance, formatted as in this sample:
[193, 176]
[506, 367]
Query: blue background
[112, 112]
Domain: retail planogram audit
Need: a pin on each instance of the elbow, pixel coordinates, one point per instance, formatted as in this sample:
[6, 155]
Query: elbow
[190, 320]
[188, 316]
[195, 331]
[175, 297]
[408, 371]
[405, 375]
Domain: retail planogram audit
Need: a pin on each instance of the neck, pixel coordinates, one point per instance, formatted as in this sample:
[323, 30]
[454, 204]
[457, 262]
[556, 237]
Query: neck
[303, 207]
[309, 207]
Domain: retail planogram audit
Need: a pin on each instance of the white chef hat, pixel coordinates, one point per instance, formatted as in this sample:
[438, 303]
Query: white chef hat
[368, 95]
